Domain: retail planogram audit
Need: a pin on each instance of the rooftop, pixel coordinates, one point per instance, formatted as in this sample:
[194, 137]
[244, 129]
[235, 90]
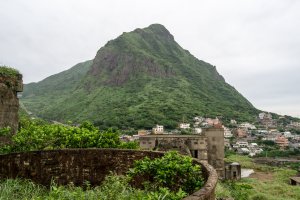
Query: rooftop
[171, 136]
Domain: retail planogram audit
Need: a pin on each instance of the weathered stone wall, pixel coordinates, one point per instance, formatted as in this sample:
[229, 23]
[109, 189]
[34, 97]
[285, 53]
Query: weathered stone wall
[209, 146]
[79, 165]
[215, 150]
[9, 103]
[191, 145]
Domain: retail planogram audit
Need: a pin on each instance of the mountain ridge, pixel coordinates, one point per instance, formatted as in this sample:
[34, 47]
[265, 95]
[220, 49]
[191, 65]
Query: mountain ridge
[139, 79]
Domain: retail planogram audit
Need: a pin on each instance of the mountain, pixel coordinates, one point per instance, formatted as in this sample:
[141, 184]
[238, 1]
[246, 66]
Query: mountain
[139, 79]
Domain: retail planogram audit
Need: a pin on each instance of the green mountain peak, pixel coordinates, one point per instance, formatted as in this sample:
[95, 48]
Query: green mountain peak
[139, 79]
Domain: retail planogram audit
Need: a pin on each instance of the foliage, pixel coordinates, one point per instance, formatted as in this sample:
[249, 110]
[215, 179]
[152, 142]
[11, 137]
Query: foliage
[173, 171]
[268, 142]
[238, 190]
[297, 131]
[5, 131]
[279, 153]
[129, 145]
[113, 188]
[8, 71]
[247, 162]
[39, 135]
[146, 78]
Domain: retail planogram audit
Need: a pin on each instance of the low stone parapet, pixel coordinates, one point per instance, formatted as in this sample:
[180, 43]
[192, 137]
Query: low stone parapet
[80, 165]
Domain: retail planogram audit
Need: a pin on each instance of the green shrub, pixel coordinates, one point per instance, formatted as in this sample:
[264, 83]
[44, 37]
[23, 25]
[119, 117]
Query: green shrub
[39, 135]
[173, 171]
[5, 131]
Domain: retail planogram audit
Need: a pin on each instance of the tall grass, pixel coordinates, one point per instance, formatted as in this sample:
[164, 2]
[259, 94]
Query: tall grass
[254, 189]
[113, 188]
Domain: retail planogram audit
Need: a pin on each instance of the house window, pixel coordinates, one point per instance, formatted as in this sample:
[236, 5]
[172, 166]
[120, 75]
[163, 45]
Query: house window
[195, 142]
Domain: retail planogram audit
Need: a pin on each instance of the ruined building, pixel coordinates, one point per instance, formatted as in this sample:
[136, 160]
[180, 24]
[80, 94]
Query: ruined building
[207, 146]
[9, 102]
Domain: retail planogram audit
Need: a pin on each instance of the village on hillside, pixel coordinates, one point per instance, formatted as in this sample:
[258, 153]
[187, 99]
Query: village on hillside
[268, 140]
[244, 138]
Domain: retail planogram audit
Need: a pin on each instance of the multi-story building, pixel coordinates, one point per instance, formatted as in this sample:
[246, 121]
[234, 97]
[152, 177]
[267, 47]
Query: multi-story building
[241, 133]
[247, 125]
[227, 133]
[158, 129]
[282, 142]
[266, 120]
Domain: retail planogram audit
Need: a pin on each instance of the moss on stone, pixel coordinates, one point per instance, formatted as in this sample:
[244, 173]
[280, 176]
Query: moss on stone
[8, 71]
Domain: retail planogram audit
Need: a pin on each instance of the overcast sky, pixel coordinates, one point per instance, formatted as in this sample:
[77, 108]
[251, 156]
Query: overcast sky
[255, 44]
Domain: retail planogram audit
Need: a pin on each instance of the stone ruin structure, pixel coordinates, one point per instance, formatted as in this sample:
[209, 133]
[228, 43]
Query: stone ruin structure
[233, 171]
[207, 146]
[9, 103]
[77, 166]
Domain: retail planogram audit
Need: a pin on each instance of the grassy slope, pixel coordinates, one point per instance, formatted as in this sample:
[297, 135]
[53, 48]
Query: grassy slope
[277, 188]
[174, 85]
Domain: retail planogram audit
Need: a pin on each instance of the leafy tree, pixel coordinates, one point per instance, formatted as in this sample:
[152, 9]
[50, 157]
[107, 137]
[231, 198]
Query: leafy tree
[40, 135]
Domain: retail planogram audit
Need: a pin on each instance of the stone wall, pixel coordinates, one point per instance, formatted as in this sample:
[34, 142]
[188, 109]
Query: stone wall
[207, 146]
[9, 103]
[79, 165]
[215, 150]
[191, 145]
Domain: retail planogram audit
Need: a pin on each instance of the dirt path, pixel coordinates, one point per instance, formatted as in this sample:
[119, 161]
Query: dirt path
[263, 176]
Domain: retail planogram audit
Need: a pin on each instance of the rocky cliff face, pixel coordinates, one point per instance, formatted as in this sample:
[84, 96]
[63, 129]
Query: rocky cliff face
[9, 103]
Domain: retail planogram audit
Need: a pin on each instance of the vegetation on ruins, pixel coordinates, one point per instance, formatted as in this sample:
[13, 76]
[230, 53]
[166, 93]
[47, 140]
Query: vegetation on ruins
[170, 177]
[40, 135]
[5, 131]
[174, 171]
[8, 71]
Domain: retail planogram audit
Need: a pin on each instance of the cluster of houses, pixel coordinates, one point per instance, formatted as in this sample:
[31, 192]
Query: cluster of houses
[242, 138]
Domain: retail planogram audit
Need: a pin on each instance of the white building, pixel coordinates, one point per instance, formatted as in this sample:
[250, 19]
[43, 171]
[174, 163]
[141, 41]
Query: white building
[198, 119]
[269, 138]
[158, 129]
[247, 126]
[184, 125]
[198, 130]
[262, 132]
[253, 145]
[244, 150]
[232, 121]
[242, 144]
[288, 134]
[263, 115]
[227, 133]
